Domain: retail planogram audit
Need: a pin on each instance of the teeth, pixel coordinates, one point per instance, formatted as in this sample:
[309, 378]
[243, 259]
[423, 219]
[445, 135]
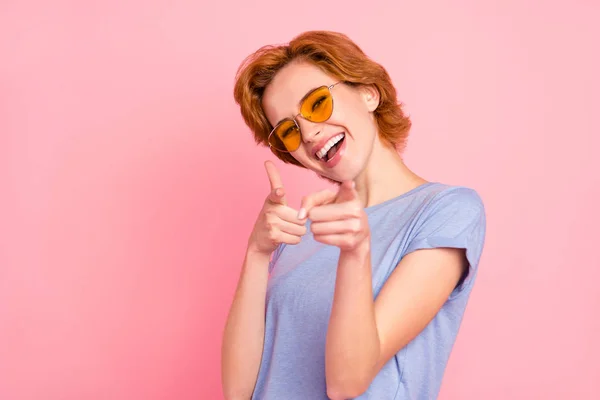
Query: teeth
[330, 143]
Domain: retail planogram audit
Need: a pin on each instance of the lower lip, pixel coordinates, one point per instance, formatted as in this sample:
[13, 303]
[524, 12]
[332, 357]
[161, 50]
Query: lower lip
[338, 156]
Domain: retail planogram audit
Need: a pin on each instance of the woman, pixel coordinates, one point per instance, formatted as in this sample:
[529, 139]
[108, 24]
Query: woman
[360, 292]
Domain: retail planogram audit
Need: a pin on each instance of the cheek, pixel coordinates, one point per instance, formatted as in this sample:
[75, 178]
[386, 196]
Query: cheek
[352, 115]
[358, 124]
[302, 156]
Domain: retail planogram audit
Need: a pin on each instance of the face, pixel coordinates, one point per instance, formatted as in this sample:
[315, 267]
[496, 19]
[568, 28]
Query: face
[338, 148]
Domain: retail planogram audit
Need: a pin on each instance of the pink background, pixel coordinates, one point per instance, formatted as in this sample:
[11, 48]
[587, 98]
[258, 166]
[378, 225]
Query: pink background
[124, 212]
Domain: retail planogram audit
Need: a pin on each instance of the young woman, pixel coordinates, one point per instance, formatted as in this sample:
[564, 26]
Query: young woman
[360, 292]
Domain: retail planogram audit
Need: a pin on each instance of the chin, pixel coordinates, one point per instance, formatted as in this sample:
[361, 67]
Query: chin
[343, 172]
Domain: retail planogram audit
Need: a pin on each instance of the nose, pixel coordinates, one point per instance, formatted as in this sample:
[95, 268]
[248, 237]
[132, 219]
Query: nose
[310, 130]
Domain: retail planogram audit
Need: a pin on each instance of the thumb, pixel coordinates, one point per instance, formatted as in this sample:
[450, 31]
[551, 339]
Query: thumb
[277, 196]
[315, 199]
[347, 192]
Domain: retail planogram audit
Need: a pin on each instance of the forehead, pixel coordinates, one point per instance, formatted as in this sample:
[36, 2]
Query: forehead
[289, 86]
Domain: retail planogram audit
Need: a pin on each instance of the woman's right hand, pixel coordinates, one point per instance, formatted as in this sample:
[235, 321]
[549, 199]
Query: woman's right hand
[277, 222]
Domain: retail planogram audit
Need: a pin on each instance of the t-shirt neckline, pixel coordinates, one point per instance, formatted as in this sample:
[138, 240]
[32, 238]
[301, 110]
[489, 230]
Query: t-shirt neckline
[415, 190]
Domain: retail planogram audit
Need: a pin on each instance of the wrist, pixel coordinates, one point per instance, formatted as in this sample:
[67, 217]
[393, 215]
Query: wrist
[255, 261]
[361, 251]
[255, 252]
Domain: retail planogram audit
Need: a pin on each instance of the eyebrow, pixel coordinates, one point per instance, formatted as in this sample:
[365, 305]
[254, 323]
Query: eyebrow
[299, 104]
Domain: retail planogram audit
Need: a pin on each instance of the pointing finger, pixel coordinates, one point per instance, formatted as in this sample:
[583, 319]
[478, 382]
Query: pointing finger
[277, 194]
[273, 174]
[337, 211]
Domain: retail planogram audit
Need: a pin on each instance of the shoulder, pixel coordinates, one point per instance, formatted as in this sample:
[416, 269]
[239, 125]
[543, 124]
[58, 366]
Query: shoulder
[451, 210]
[451, 217]
[451, 197]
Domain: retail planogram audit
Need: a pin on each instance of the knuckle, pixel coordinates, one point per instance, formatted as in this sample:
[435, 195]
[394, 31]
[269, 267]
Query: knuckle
[272, 235]
[355, 226]
[359, 225]
[314, 228]
[270, 220]
[276, 212]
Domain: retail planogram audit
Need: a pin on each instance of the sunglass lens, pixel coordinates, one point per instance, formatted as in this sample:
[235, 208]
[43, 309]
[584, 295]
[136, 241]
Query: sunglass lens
[286, 136]
[318, 105]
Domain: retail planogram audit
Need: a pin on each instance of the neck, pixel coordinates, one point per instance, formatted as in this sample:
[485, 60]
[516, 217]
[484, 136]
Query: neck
[385, 176]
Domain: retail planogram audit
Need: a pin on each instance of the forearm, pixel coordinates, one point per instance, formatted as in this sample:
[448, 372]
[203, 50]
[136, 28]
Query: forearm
[243, 336]
[352, 349]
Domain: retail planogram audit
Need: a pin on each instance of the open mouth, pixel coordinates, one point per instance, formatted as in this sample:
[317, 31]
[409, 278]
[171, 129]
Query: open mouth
[330, 149]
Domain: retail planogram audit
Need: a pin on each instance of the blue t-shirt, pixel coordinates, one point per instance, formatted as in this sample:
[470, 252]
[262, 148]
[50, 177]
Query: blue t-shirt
[301, 285]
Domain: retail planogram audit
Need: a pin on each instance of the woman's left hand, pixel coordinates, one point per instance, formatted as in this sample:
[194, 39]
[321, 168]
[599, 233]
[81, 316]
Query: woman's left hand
[338, 218]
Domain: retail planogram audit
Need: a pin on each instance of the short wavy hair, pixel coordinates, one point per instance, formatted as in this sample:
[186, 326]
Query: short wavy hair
[336, 55]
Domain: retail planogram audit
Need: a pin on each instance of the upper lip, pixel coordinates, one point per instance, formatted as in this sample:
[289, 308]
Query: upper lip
[322, 142]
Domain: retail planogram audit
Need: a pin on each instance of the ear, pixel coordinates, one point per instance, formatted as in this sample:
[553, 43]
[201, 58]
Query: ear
[371, 97]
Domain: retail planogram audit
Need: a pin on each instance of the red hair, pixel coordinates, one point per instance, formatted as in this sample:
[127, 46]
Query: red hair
[336, 55]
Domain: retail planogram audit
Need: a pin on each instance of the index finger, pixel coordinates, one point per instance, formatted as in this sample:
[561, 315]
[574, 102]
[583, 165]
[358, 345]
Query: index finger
[273, 174]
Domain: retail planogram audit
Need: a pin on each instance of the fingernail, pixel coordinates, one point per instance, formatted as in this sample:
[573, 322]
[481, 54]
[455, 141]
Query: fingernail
[278, 192]
[302, 213]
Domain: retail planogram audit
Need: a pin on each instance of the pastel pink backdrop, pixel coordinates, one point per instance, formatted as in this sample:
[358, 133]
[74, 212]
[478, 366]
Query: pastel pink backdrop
[130, 184]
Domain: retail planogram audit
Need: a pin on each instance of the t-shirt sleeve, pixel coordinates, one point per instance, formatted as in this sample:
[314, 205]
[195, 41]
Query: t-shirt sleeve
[455, 218]
[275, 256]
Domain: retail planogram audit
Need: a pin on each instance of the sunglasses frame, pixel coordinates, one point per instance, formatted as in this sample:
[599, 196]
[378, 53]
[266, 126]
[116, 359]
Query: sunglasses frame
[300, 115]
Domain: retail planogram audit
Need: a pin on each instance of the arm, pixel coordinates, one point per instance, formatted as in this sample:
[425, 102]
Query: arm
[382, 328]
[245, 329]
[364, 334]
[243, 338]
